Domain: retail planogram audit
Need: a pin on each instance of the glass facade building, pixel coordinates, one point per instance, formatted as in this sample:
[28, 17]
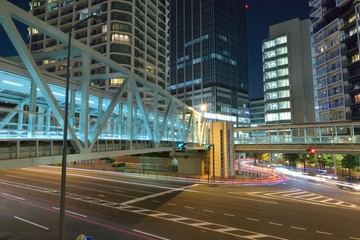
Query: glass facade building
[209, 57]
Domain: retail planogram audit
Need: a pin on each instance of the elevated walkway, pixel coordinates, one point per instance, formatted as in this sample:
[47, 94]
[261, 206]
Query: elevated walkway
[136, 116]
[334, 137]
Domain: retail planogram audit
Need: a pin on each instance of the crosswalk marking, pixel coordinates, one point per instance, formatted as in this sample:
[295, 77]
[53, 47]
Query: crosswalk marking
[305, 196]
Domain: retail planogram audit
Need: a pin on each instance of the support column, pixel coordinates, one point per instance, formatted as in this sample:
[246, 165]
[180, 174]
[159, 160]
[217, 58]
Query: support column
[32, 111]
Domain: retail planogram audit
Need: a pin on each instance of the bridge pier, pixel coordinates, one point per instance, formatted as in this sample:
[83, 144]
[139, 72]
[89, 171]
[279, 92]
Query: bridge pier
[191, 161]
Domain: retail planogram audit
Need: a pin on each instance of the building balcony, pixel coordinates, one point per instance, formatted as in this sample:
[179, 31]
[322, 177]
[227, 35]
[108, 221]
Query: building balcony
[355, 114]
[347, 25]
[340, 3]
[331, 105]
[347, 37]
[332, 55]
[353, 89]
[349, 49]
[349, 62]
[351, 76]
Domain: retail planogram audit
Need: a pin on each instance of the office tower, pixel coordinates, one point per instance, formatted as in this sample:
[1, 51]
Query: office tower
[209, 57]
[335, 41]
[257, 112]
[132, 33]
[288, 83]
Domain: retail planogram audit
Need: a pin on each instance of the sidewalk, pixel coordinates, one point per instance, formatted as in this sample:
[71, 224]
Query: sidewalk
[246, 176]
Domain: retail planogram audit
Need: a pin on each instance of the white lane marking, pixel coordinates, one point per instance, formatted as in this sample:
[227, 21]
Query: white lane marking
[149, 234]
[274, 223]
[209, 211]
[229, 215]
[229, 229]
[12, 196]
[130, 202]
[172, 204]
[253, 219]
[298, 228]
[294, 193]
[354, 238]
[156, 201]
[73, 213]
[326, 233]
[257, 236]
[314, 198]
[32, 223]
[188, 207]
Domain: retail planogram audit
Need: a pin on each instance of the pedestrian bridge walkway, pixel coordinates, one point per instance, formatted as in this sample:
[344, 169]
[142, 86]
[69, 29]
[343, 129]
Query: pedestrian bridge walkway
[135, 116]
[334, 137]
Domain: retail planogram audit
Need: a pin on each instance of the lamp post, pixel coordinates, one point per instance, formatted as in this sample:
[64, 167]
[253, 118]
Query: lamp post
[65, 138]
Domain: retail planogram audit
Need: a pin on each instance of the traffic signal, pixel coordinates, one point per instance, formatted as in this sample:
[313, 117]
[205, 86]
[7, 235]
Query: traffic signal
[208, 146]
[181, 145]
[312, 150]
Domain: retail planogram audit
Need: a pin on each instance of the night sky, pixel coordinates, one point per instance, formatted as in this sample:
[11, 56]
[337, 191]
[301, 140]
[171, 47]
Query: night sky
[261, 14]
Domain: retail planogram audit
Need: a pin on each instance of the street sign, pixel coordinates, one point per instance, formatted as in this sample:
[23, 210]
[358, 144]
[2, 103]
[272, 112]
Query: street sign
[83, 237]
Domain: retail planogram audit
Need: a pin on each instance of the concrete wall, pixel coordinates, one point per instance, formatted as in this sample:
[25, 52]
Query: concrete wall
[222, 152]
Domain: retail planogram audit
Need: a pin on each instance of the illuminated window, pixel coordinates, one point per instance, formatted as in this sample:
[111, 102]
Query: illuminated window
[269, 75]
[284, 94]
[355, 58]
[280, 51]
[115, 37]
[104, 28]
[284, 105]
[283, 72]
[37, 4]
[48, 61]
[150, 69]
[281, 40]
[269, 54]
[284, 116]
[269, 44]
[270, 64]
[351, 19]
[272, 106]
[116, 81]
[282, 61]
[34, 31]
[357, 98]
[283, 83]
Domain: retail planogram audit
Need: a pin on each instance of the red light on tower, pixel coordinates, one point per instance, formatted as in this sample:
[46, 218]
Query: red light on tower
[246, 5]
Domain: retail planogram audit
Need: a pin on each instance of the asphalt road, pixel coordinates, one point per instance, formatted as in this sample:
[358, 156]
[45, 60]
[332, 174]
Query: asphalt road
[107, 205]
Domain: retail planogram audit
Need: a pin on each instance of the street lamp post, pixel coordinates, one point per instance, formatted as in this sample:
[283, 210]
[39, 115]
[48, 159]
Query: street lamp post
[65, 137]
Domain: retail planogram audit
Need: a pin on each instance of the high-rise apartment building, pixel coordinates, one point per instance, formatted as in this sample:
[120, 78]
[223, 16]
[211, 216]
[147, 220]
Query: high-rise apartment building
[132, 33]
[335, 40]
[288, 82]
[209, 57]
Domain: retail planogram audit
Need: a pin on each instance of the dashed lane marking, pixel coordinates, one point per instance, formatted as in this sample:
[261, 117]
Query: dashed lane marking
[204, 225]
[298, 228]
[299, 195]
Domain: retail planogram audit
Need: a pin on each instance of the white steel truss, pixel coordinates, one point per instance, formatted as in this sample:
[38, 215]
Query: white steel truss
[137, 111]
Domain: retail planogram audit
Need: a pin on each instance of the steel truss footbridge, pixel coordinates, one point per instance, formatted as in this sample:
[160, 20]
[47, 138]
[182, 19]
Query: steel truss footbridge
[330, 137]
[137, 117]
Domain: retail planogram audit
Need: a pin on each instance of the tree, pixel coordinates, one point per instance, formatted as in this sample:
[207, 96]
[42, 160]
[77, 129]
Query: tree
[292, 158]
[350, 161]
[260, 156]
[304, 158]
